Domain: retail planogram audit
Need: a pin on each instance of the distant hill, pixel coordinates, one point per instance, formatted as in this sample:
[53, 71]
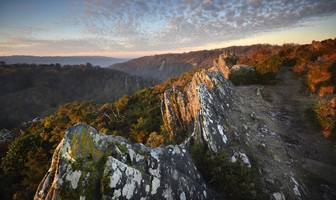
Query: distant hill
[101, 61]
[29, 91]
[164, 66]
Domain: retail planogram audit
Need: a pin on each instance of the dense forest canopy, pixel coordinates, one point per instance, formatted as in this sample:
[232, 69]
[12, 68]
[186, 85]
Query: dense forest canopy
[28, 90]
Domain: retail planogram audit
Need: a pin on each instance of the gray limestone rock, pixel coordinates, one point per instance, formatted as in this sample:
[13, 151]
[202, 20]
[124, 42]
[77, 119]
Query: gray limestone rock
[89, 165]
[203, 110]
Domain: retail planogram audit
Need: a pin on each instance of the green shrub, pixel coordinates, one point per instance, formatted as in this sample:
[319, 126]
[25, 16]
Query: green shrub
[322, 116]
[311, 116]
[14, 161]
[244, 76]
[231, 180]
[267, 78]
[325, 115]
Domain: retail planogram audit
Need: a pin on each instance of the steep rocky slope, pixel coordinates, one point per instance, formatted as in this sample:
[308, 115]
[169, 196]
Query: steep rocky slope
[164, 66]
[264, 124]
[262, 127]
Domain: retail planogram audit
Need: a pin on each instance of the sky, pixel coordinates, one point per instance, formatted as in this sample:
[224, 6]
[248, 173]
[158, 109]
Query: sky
[133, 28]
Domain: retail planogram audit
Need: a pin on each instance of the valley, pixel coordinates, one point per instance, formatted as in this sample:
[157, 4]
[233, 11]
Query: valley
[30, 91]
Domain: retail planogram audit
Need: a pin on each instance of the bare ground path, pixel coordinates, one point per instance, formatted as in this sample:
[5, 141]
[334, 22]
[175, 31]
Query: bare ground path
[315, 156]
[292, 153]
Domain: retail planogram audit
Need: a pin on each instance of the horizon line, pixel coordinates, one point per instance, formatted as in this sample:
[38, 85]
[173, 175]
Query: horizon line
[160, 52]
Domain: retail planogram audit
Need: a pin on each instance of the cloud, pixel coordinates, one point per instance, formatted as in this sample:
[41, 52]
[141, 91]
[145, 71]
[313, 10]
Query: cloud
[21, 45]
[157, 25]
[150, 25]
[27, 31]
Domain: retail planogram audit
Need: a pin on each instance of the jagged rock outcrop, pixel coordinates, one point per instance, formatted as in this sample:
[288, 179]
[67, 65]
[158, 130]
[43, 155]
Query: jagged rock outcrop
[200, 109]
[89, 165]
[223, 64]
[212, 111]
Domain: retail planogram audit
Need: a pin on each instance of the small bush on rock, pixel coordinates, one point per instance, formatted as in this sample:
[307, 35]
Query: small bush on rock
[231, 180]
[248, 76]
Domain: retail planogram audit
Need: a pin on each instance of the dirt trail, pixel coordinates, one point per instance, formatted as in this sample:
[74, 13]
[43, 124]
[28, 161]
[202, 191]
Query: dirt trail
[296, 155]
[315, 155]
[292, 105]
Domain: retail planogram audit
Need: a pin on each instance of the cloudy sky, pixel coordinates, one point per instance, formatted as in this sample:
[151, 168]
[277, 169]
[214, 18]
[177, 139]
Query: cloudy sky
[131, 28]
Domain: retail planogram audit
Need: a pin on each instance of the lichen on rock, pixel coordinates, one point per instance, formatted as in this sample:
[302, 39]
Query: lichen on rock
[111, 167]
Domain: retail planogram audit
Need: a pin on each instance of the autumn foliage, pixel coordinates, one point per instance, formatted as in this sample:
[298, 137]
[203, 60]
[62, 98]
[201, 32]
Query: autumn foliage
[138, 117]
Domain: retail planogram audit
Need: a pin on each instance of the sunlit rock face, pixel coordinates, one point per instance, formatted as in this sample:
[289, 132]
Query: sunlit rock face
[89, 165]
[212, 111]
[222, 65]
[201, 109]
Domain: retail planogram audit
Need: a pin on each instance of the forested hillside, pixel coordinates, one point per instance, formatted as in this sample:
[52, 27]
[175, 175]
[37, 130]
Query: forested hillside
[101, 61]
[30, 91]
[164, 66]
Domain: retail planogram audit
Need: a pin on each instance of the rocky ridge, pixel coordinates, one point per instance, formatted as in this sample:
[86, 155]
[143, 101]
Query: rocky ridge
[164, 66]
[208, 110]
[244, 122]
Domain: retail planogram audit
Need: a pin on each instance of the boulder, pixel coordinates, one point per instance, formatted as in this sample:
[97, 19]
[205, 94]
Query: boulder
[89, 165]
